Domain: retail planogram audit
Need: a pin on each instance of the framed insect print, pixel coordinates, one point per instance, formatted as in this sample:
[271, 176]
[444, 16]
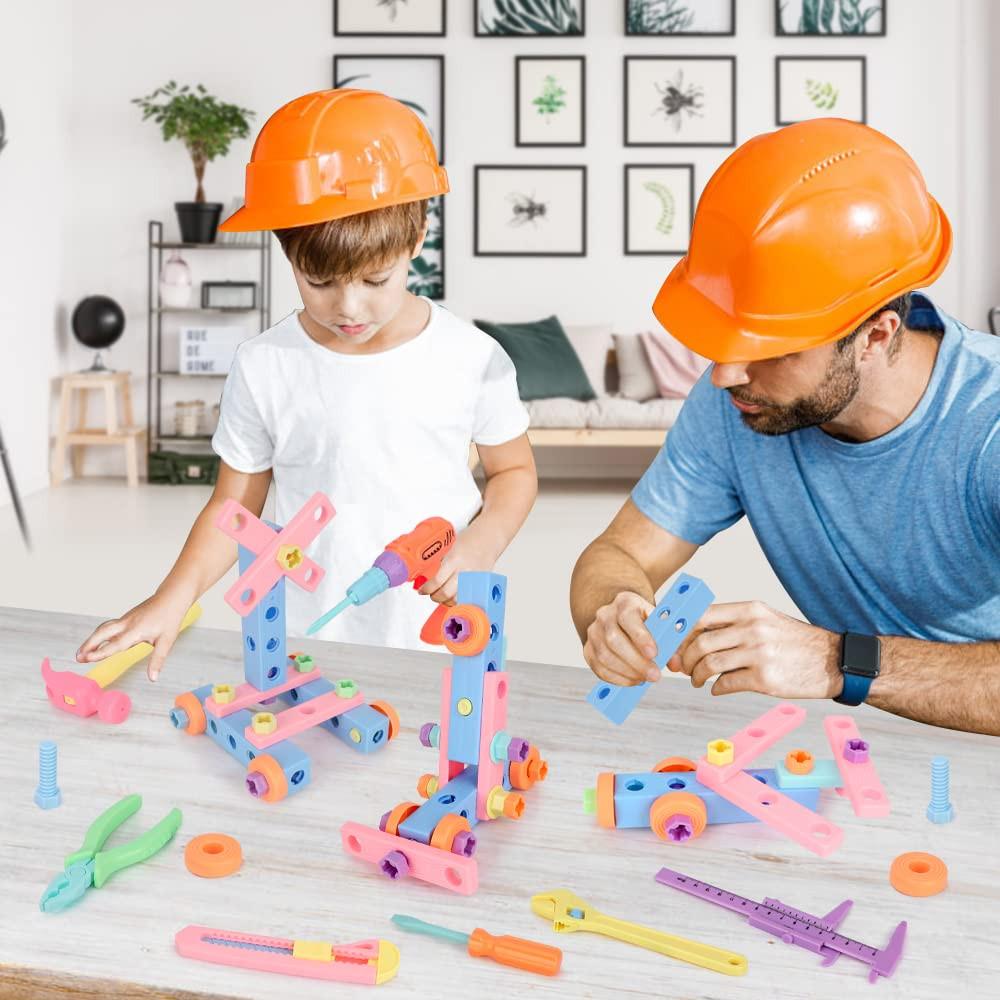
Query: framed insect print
[523, 211]
[829, 18]
[820, 87]
[659, 208]
[549, 100]
[542, 18]
[675, 17]
[426, 275]
[680, 100]
[402, 18]
[416, 81]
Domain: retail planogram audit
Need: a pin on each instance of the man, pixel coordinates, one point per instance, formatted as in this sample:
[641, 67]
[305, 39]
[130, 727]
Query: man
[862, 444]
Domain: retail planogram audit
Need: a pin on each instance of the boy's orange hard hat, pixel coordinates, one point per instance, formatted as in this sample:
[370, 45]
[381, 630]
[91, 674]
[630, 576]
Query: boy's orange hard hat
[798, 237]
[335, 153]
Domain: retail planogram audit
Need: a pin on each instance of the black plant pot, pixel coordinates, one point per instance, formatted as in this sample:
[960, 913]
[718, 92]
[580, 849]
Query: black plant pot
[198, 220]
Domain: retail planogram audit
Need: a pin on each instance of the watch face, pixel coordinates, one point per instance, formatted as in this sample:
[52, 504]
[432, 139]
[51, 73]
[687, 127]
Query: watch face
[861, 654]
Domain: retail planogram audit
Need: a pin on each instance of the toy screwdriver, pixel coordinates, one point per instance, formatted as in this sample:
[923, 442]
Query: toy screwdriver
[506, 950]
[414, 556]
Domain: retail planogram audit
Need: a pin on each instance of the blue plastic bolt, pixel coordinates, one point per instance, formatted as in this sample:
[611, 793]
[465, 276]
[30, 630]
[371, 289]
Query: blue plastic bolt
[47, 794]
[179, 718]
[940, 810]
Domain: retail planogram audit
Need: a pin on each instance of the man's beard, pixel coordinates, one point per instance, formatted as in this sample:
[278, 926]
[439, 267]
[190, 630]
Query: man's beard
[839, 386]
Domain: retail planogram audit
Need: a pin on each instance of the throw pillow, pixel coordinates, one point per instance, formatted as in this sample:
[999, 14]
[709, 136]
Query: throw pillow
[592, 344]
[635, 376]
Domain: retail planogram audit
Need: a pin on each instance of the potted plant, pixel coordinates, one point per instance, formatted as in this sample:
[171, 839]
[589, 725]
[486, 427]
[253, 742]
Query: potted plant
[206, 126]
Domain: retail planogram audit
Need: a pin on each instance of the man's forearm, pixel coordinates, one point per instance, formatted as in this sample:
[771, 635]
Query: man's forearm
[943, 684]
[601, 573]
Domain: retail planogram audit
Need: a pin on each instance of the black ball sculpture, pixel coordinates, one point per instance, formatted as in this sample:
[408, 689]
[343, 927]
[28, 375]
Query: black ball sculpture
[97, 323]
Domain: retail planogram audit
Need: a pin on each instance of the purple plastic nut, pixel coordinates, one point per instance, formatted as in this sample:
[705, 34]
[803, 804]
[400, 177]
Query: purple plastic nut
[257, 784]
[457, 628]
[425, 733]
[856, 751]
[518, 749]
[394, 865]
[383, 821]
[464, 843]
[679, 828]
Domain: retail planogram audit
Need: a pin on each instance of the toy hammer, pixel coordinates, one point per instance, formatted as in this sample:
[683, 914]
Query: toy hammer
[84, 694]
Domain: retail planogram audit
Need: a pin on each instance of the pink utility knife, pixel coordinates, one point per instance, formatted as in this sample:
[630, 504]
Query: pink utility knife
[369, 963]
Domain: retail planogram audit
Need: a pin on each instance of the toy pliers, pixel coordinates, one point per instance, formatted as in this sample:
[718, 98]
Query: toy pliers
[90, 866]
[570, 913]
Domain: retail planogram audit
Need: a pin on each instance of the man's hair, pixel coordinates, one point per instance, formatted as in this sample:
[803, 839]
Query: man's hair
[345, 248]
[899, 305]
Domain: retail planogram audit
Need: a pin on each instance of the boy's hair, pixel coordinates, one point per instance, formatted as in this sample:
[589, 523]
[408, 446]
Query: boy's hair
[345, 248]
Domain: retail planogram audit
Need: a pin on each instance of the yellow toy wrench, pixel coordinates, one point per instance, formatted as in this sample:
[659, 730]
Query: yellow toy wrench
[570, 913]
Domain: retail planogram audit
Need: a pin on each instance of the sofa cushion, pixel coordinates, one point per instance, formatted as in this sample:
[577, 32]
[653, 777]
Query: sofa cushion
[617, 412]
[592, 343]
[545, 360]
[635, 376]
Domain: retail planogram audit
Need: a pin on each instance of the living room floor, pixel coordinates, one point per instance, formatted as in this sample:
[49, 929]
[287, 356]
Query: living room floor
[99, 548]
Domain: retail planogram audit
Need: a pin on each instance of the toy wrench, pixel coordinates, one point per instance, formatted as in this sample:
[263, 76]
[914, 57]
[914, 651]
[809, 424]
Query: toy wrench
[570, 913]
[90, 867]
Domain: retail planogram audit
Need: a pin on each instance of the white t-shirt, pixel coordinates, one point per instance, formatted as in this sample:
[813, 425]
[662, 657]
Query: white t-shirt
[385, 436]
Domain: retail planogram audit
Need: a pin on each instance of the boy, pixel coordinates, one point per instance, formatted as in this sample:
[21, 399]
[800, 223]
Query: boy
[369, 394]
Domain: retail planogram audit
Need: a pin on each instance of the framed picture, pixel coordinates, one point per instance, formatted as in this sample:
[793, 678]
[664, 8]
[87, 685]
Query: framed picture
[675, 17]
[427, 271]
[530, 211]
[416, 81]
[402, 18]
[830, 17]
[549, 100]
[659, 208]
[819, 87]
[499, 18]
[680, 100]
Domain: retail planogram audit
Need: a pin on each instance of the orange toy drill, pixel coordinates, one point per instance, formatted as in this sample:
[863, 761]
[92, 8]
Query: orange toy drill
[414, 556]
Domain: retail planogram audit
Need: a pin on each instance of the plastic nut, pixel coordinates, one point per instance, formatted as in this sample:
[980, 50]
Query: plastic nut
[303, 663]
[289, 557]
[264, 723]
[856, 751]
[799, 762]
[222, 694]
[720, 752]
[346, 688]
[427, 785]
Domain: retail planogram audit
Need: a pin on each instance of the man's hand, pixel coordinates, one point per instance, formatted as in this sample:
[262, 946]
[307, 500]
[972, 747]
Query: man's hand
[619, 648]
[752, 647]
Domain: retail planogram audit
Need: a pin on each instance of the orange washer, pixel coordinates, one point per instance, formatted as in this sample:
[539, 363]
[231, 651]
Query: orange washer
[524, 773]
[479, 635]
[213, 855]
[397, 816]
[677, 803]
[277, 785]
[447, 829]
[196, 714]
[675, 764]
[918, 874]
[606, 799]
[799, 762]
[390, 713]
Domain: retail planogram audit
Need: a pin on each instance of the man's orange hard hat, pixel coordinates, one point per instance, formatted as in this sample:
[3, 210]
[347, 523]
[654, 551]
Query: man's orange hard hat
[799, 236]
[336, 153]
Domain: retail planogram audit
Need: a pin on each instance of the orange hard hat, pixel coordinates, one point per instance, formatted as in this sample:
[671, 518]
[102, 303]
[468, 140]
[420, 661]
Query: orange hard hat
[799, 236]
[336, 153]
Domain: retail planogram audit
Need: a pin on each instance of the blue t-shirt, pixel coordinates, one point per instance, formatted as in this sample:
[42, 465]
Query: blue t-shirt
[895, 536]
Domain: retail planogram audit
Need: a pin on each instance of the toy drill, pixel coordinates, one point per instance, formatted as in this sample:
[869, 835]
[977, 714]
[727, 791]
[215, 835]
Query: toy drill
[414, 556]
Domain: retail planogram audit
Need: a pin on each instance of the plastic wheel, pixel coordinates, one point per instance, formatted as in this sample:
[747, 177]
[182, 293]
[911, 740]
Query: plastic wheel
[195, 713]
[685, 804]
[390, 713]
[477, 634]
[447, 829]
[397, 816]
[675, 764]
[277, 785]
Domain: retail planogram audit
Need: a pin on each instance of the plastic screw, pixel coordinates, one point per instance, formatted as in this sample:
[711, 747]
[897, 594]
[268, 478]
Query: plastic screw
[940, 809]
[47, 794]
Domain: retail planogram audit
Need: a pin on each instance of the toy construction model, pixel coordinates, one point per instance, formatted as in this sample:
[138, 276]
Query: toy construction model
[481, 770]
[237, 718]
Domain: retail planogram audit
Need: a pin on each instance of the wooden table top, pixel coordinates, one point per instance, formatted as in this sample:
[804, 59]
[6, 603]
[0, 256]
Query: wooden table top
[296, 882]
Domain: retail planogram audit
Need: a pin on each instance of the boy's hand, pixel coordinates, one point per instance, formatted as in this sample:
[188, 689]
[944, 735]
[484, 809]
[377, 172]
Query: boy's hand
[156, 621]
[619, 648]
[472, 551]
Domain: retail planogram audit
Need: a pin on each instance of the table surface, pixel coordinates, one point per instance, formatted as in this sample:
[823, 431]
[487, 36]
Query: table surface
[296, 882]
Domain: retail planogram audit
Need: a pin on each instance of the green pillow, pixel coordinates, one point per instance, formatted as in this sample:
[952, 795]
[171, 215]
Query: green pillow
[544, 358]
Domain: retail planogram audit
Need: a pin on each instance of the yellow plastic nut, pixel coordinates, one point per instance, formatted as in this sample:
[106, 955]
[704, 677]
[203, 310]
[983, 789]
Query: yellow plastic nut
[464, 706]
[427, 785]
[495, 801]
[355, 735]
[317, 951]
[223, 694]
[346, 688]
[289, 556]
[264, 723]
[720, 752]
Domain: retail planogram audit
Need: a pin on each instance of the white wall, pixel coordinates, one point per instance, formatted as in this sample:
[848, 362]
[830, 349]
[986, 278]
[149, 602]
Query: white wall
[34, 178]
[928, 84]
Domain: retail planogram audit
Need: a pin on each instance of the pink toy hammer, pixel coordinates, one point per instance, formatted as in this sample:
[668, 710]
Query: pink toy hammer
[84, 694]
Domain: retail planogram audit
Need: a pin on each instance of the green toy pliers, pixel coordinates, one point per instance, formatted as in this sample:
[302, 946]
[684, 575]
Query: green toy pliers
[90, 866]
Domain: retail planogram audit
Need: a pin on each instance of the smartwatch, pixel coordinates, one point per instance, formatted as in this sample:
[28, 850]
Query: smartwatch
[860, 659]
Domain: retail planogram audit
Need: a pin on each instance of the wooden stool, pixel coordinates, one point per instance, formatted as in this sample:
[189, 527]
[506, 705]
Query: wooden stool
[113, 432]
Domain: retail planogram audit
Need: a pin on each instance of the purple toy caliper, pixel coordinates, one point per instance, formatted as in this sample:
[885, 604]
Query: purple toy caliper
[793, 926]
